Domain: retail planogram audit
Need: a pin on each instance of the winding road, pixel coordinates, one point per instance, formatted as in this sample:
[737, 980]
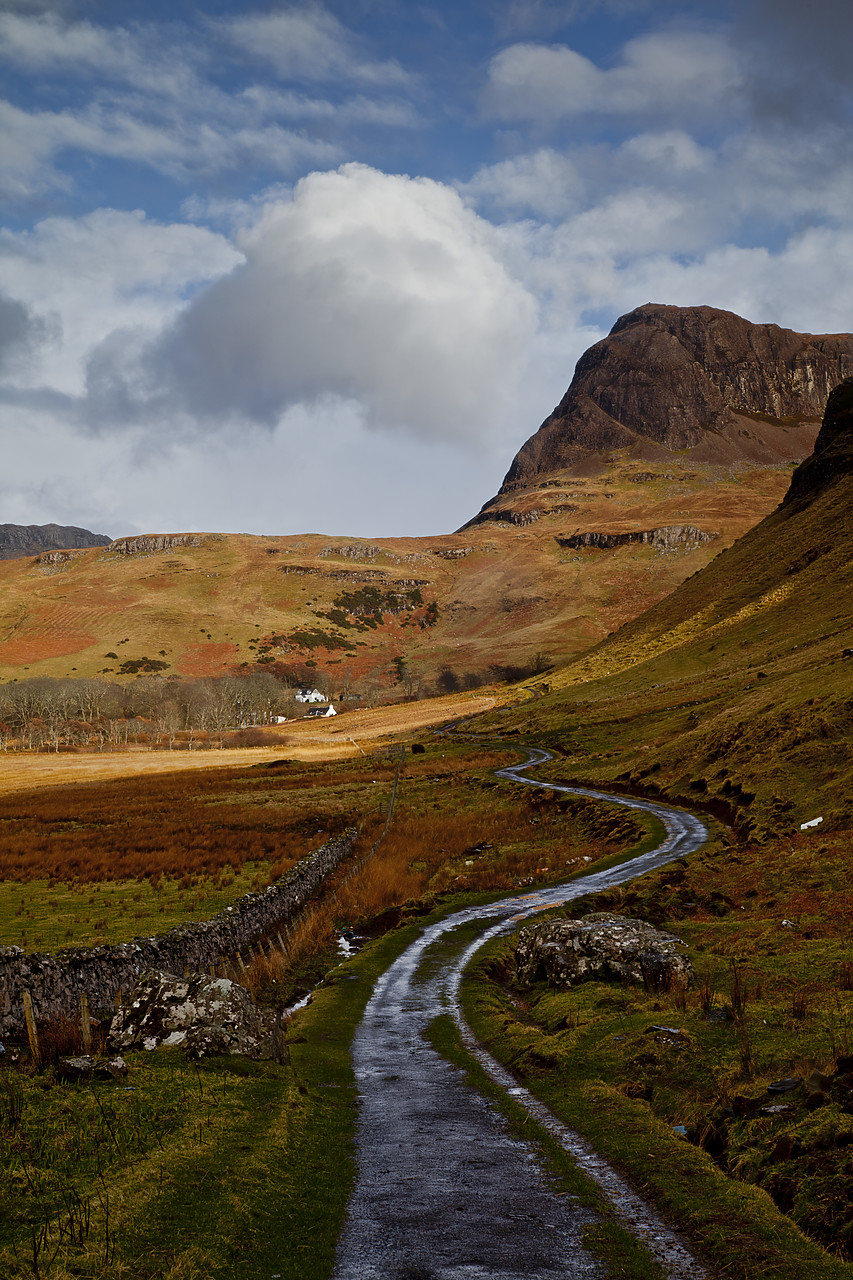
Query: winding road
[444, 1190]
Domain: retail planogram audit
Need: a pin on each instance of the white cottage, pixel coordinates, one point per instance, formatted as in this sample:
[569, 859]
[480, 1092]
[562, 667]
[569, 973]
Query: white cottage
[310, 695]
[317, 713]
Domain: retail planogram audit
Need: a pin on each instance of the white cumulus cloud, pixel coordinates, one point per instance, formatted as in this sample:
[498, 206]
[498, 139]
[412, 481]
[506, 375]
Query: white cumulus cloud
[375, 288]
[662, 72]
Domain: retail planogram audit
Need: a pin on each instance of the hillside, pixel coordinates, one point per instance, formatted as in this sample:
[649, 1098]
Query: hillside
[204, 604]
[738, 688]
[585, 534]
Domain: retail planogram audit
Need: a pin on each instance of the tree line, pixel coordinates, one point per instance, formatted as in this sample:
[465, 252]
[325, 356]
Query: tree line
[47, 713]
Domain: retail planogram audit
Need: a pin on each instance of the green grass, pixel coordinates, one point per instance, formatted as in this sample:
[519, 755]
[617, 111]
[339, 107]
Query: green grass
[232, 1170]
[589, 1055]
[42, 916]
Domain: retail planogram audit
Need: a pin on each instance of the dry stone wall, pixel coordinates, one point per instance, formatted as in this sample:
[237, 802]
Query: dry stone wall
[56, 982]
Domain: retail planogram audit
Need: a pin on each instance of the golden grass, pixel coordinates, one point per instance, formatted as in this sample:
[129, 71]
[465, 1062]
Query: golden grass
[312, 741]
[204, 609]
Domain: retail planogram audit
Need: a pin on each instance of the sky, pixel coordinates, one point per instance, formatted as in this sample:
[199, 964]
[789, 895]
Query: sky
[324, 267]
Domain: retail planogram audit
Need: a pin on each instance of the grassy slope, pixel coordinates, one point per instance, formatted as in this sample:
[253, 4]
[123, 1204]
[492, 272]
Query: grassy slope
[736, 680]
[590, 1056]
[734, 694]
[204, 610]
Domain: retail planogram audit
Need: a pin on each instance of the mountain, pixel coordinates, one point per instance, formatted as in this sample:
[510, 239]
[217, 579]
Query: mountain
[737, 689]
[18, 540]
[691, 379]
[560, 559]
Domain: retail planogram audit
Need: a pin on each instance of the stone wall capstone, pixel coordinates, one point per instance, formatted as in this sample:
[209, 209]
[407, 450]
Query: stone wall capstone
[56, 982]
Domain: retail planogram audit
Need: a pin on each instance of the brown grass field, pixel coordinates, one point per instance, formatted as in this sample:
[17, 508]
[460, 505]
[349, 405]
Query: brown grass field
[351, 734]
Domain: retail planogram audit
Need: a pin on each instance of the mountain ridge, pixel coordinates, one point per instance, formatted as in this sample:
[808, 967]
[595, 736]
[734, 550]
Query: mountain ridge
[18, 541]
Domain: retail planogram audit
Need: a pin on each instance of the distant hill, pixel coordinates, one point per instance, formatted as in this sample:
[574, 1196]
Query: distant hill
[19, 540]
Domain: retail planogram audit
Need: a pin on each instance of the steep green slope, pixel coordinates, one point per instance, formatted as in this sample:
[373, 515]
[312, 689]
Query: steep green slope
[737, 687]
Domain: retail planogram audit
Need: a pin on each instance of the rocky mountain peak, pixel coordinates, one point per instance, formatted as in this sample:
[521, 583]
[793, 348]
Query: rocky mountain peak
[20, 540]
[698, 379]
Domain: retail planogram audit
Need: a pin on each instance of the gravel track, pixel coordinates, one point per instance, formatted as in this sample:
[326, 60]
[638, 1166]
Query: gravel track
[444, 1190]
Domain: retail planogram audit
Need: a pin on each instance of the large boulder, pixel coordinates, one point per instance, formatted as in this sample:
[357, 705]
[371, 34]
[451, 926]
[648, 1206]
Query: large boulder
[199, 1014]
[601, 947]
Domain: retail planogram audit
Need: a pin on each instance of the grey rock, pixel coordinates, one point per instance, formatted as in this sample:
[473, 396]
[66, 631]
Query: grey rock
[146, 543]
[666, 538]
[87, 1067]
[200, 1015]
[785, 1086]
[598, 947]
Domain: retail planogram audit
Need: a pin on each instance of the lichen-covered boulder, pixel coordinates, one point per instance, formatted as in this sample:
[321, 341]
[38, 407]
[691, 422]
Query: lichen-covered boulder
[199, 1014]
[601, 947]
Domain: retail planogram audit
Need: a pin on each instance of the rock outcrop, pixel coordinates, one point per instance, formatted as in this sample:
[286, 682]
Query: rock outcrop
[506, 515]
[146, 543]
[20, 540]
[200, 1015]
[52, 559]
[833, 449]
[695, 379]
[668, 538]
[599, 947]
[84, 1069]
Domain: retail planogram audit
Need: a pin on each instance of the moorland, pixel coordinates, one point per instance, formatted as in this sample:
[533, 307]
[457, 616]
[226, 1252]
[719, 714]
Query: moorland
[730, 695]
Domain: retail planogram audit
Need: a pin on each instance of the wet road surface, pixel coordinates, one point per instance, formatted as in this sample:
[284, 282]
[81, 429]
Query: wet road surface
[444, 1190]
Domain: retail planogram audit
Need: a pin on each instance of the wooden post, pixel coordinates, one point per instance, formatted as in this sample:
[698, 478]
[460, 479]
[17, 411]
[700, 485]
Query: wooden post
[32, 1033]
[280, 943]
[240, 962]
[85, 1022]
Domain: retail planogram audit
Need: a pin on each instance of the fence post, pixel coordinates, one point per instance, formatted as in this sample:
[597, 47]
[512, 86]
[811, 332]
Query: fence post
[32, 1033]
[85, 1022]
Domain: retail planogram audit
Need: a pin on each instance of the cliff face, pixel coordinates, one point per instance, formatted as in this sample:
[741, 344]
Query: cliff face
[19, 540]
[146, 543]
[833, 449]
[695, 379]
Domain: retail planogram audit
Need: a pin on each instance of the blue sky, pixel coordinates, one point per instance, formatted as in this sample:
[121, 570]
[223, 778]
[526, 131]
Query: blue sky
[324, 267]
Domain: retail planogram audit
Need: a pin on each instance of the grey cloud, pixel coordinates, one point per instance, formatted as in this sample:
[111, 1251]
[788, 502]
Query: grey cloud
[20, 331]
[661, 75]
[799, 58]
[309, 43]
